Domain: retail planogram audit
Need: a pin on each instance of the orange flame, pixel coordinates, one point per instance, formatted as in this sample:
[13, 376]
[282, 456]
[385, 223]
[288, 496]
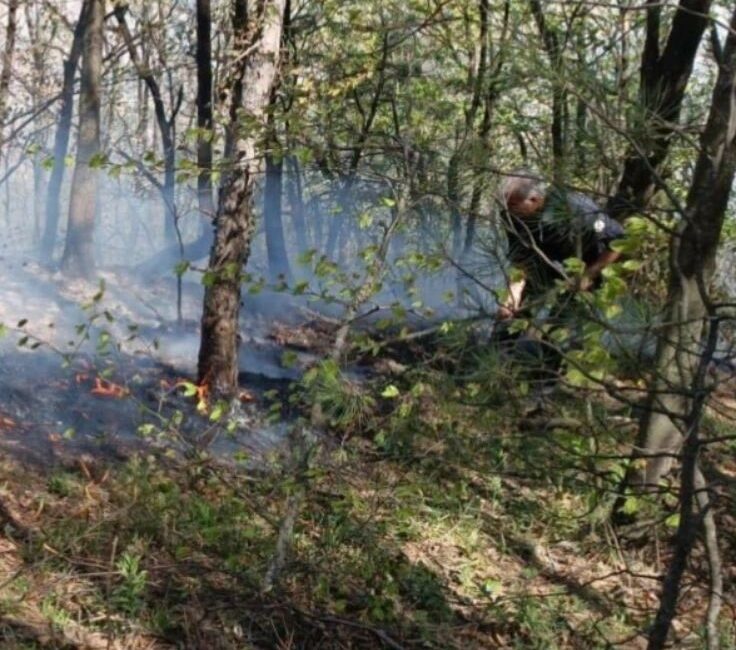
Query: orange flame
[106, 388]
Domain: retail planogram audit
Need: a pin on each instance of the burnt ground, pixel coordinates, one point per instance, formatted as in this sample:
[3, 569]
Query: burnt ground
[85, 370]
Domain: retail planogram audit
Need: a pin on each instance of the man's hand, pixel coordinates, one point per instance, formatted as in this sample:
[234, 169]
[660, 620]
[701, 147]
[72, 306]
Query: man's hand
[505, 312]
[593, 270]
[583, 283]
[586, 281]
[511, 305]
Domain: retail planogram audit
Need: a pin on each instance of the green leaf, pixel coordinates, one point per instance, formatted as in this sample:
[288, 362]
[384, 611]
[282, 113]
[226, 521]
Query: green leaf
[300, 287]
[146, 430]
[98, 160]
[208, 278]
[390, 392]
[673, 521]
[218, 411]
[289, 359]
[491, 587]
[181, 268]
[188, 388]
[632, 265]
[631, 506]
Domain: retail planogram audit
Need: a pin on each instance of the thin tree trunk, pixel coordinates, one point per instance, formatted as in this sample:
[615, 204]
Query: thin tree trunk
[61, 140]
[78, 259]
[687, 345]
[296, 204]
[7, 67]
[692, 262]
[664, 79]
[278, 260]
[204, 112]
[453, 197]
[34, 25]
[257, 33]
[551, 42]
[276, 252]
[39, 188]
[166, 127]
[345, 190]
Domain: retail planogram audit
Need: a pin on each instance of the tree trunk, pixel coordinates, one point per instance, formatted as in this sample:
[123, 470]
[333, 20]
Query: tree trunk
[453, 197]
[78, 259]
[204, 112]
[258, 39]
[551, 41]
[7, 67]
[61, 140]
[278, 260]
[296, 205]
[39, 51]
[692, 263]
[39, 187]
[205, 125]
[664, 79]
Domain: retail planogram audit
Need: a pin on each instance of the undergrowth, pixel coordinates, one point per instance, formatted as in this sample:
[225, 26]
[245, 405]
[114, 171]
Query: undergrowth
[465, 511]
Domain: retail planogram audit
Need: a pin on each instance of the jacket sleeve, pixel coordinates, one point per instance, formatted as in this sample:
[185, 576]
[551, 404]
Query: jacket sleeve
[595, 222]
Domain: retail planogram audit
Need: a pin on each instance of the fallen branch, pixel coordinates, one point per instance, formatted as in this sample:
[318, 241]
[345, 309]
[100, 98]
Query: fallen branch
[293, 507]
[377, 631]
[710, 533]
[71, 635]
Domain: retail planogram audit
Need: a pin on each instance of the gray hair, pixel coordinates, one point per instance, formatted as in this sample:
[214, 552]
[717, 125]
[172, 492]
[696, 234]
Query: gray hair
[520, 184]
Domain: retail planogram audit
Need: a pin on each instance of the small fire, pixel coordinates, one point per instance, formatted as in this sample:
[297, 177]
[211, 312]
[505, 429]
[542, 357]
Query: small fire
[107, 388]
[200, 392]
[6, 422]
[246, 396]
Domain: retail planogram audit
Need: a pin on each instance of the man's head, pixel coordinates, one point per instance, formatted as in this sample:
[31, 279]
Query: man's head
[522, 195]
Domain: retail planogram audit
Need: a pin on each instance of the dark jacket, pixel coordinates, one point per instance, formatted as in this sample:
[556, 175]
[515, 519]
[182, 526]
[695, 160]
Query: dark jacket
[571, 225]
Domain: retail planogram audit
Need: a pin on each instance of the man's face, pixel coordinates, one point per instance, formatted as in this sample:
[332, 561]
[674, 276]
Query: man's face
[526, 206]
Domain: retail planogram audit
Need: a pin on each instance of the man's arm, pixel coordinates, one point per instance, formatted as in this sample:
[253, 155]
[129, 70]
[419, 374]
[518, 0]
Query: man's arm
[593, 270]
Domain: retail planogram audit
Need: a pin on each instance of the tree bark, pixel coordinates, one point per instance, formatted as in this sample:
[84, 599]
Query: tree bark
[664, 79]
[61, 139]
[78, 258]
[551, 42]
[7, 67]
[692, 263]
[296, 205]
[35, 23]
[278, 260]
[257, 39]
[276, 253]
[204, 110]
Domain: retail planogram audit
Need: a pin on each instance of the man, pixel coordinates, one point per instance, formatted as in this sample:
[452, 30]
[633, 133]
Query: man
[546, 227]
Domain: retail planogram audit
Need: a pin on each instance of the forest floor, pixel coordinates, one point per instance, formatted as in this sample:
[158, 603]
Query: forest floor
[440, 509]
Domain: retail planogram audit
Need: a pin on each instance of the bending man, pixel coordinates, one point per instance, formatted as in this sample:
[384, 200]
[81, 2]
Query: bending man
[546, 227]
